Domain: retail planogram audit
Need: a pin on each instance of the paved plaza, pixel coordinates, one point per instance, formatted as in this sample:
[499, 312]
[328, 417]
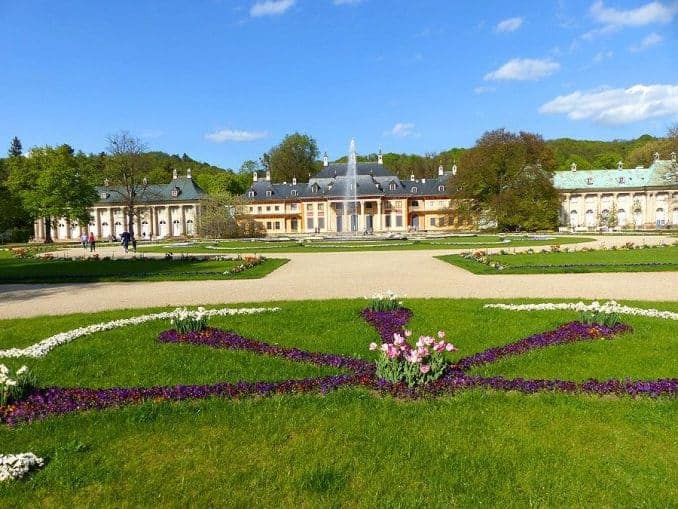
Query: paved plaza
[343, 275]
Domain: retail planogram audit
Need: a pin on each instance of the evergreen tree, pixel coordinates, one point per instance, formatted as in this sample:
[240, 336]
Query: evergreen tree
[15, 148]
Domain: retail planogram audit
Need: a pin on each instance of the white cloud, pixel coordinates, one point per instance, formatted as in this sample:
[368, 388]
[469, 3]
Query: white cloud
[483, 90]
[346, 2]
[603, 55]
[650, 40]
[509, 25]
[614, 19]
[235, 135]
[270, 7]
[402, 130]
[151, 133]
[524, 69]
[617, 106]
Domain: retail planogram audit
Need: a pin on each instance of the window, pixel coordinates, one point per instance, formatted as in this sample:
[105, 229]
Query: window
[309, 223]
[250, 194]
[414, 189]
[321, 223]
[251, 209]
[441, 188]
[392, 186]
[415, 203]
[276, 208]
[321, 206]
[104, 195]
[175, 192]
[433, 221]
[269, 192]
[399, 221]
[309, 206]
[294, 225]
[388, 220]
[277, 225]
[268, 208]
[259, 209]
[293, 206]
[268, 225]
[293, 193]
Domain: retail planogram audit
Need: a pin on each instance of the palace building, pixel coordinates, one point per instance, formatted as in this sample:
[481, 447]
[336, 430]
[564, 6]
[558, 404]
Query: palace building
[332, 202]
[375, 200]
[620, 199]
[163, 210]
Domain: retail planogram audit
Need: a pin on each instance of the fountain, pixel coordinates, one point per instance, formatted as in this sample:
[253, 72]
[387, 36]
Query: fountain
[351, 191]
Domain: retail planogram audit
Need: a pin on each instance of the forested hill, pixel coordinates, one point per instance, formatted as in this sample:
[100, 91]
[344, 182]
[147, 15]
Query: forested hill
[587, 154]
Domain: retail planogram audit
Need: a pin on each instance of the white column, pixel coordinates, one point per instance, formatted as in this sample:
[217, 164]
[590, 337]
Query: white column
[183, 220]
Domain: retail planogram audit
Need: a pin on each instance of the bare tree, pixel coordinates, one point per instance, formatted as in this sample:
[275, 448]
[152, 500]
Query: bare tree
[126, 169]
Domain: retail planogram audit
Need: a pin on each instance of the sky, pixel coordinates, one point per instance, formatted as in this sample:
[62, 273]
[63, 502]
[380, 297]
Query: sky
[225, 80]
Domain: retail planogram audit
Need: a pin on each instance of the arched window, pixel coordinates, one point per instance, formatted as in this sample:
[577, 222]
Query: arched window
[250, 194]
[294, 192]
[441, 188]
[269, 192]
[392, 186]
[414, 189]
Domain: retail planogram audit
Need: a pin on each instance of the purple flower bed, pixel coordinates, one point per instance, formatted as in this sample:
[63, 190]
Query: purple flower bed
[55, 400]
[387, 323]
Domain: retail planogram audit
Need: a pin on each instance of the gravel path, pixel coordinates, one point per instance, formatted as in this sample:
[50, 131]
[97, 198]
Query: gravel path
[341, 275]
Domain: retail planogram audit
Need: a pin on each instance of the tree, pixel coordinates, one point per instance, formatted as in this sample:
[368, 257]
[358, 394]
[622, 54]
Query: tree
[506, 179]
[607, 160]
[15, 149]
[296, 156]
[51, 184]
[224, 216]
[126, 169]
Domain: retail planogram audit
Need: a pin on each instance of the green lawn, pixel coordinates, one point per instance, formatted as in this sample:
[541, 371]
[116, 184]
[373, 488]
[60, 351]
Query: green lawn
[361, 244]
[351, 447]
[621, 260]
[33, 270]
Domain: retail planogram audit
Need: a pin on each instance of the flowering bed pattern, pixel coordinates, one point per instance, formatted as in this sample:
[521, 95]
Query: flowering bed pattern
[44, 402]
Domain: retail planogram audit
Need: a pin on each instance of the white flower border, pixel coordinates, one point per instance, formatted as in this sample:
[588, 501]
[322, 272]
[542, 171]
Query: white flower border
[46, 345]
[608, 307]
[15, 466]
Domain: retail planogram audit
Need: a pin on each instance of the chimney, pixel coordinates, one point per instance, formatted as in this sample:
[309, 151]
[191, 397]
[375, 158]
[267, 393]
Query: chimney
[188, 174]
[573, 166]
[440, 170]
[412, 177]
[268, 175]
[255, 176]
[294, 181]
[380, 157]
[326, 161]
[454, 169]
[174, 173]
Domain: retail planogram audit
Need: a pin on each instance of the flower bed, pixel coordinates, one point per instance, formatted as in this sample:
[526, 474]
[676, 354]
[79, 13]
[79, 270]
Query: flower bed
[41, 403]
[610, 306]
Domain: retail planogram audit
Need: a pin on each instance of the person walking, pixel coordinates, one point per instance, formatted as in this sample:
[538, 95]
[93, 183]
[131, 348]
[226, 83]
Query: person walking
[125, 240]
[92, 242]
[84, 240]
[134, 244]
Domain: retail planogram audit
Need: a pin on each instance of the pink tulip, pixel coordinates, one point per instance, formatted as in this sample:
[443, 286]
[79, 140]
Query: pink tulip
[408, 333]
[439, 347]
[450, 347]
[441, 334]
[425, 368]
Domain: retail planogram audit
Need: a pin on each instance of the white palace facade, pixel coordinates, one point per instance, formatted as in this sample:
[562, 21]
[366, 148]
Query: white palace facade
[637, 199]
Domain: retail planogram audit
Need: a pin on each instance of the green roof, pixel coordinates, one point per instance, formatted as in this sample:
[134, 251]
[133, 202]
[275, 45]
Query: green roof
[660, 174]
[180, 189]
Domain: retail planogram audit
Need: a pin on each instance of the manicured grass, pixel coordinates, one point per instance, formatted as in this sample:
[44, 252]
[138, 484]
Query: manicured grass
[350, 447]
[362, 244]
[32, 270]
[621, 260]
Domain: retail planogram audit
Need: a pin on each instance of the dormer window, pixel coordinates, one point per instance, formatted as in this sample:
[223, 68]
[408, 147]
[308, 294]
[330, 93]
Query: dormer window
[441, 188]
[103, 195]
[250, 194]
[392, 186]
[414, 189]
[589, 181]
[315, 188]
[269, 193]
[293, 193]
[175, 192]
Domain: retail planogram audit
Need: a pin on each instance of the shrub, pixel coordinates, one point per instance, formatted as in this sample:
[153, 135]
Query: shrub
[185, 321]
[13, 388]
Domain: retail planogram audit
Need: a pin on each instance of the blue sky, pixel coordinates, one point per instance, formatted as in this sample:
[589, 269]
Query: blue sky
[225, 80]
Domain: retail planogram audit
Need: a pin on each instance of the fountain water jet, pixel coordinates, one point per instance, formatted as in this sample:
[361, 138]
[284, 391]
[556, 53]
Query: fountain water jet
[351, 191]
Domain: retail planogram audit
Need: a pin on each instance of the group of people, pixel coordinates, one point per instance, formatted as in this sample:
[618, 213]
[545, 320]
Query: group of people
[126, 238]
[88, 241]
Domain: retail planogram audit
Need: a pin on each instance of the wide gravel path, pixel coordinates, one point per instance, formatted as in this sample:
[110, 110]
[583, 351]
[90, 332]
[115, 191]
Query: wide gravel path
[342, 275]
